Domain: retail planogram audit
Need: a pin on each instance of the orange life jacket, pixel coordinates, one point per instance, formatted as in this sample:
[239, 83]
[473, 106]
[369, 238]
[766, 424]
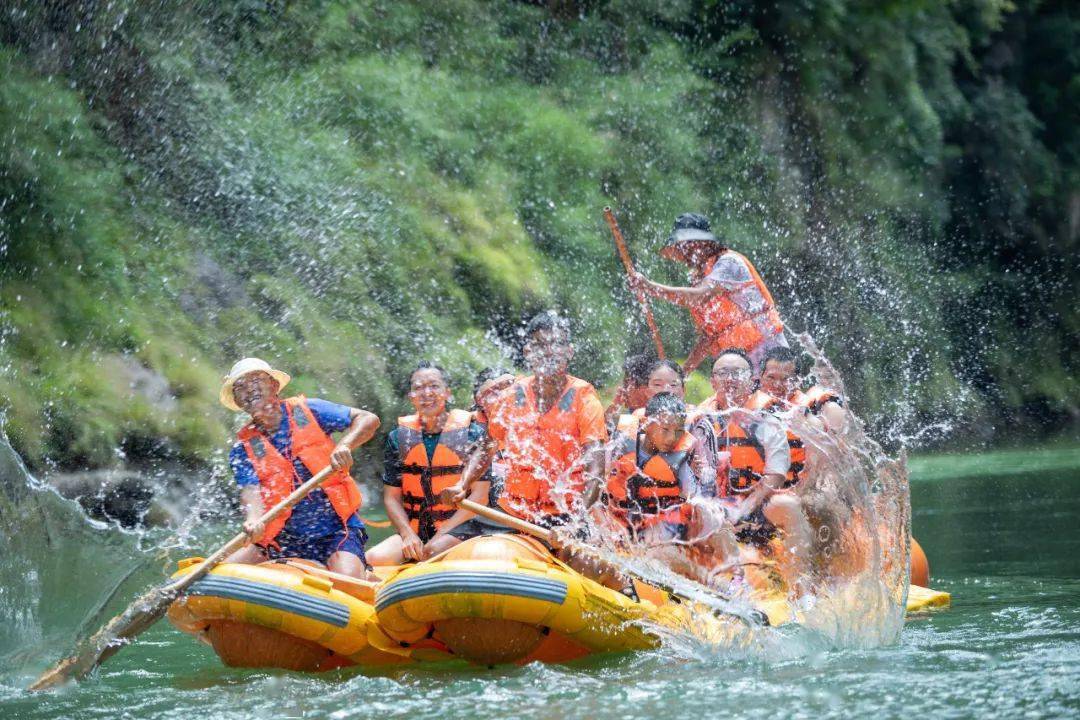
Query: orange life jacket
[277, 474]
[423, 478]
[762, 400]
[747, 456]
[721, 319]
[540, 450]
[644, 496]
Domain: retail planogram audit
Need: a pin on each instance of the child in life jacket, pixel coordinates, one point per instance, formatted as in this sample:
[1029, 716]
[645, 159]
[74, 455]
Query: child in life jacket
[653, 488]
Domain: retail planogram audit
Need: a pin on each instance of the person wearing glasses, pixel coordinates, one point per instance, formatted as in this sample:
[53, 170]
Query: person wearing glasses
[755, 445]
[429, 451]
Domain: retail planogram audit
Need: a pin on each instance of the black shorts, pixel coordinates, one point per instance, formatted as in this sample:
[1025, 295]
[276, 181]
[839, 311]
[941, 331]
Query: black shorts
[755, 529]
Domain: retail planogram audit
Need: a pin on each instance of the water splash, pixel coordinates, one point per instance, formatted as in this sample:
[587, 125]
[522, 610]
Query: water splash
[64, 573]
[857, 500]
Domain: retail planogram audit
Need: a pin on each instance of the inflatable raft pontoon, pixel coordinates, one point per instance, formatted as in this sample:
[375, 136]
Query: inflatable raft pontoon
[490, 600]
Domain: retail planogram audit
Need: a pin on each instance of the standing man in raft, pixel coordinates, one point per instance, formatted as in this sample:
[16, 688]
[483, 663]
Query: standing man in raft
[285, 444]
[728, 300]
[550, 426]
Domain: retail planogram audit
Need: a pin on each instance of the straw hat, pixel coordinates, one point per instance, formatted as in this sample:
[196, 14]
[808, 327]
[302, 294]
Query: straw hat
[246, 367]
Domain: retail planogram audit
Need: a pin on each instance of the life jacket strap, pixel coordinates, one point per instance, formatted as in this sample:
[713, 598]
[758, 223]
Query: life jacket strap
[432, 471]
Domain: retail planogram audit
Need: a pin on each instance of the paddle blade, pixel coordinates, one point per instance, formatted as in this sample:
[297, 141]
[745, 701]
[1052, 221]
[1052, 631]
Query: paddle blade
[136, 618]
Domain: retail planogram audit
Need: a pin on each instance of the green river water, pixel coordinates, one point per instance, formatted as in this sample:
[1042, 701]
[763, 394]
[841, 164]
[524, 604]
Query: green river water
[1000, 531]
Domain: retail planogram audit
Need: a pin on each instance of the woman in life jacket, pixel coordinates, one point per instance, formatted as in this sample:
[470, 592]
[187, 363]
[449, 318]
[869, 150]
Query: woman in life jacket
[780, 382]
[428, 452]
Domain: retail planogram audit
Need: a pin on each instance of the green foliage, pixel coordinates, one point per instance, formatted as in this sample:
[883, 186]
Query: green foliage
[346, 187]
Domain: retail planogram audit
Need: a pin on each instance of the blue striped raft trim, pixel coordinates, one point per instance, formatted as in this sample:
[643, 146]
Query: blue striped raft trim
[267, 595]
[492, 583]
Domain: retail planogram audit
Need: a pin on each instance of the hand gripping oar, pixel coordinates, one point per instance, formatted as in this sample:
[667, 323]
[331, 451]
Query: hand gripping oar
[754, 618]
[620, 245]
[152, 605]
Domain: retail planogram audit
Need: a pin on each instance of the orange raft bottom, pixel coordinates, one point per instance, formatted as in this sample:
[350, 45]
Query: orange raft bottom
[241, 644]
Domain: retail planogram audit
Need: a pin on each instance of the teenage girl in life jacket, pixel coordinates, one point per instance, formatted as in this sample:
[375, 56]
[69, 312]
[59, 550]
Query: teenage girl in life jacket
[728, 301]
[633, 392]
[286, 443]
[428, 452]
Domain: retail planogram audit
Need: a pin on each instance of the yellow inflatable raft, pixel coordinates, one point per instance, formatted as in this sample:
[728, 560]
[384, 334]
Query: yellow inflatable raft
[283, 615]
[491, 600]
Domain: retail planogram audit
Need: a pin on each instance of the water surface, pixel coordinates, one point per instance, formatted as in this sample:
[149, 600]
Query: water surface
[1005, 545]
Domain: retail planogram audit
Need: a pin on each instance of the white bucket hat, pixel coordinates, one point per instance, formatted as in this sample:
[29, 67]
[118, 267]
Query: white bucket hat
[246, 367]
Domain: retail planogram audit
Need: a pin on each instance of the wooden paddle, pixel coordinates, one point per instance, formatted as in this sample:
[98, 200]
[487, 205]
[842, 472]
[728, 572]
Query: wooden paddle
[620, 245]
[152, 605]
[755, 618]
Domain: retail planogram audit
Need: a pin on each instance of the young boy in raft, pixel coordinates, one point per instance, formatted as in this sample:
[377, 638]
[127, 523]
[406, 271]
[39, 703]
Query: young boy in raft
[668, 376]
[428, 452]
[654, 478]
[285, 444]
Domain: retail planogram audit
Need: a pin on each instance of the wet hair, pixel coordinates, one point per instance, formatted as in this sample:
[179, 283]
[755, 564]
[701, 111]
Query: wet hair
[637, 368]
[548, 320]
[665, 402]
[488, 373]
[781, 355]
[670, 365]
[735, 351]
[429, 365]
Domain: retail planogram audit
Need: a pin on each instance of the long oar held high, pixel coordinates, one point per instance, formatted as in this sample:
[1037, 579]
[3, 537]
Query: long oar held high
[624, 254]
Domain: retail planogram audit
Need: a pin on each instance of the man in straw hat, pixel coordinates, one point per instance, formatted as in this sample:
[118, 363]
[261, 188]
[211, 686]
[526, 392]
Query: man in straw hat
[728, 300]
[285, 444]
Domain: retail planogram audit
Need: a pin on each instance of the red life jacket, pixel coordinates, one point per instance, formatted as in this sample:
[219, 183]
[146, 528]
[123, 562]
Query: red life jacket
[721, 319]
[277, 474]
[644, 496]
[423, 478]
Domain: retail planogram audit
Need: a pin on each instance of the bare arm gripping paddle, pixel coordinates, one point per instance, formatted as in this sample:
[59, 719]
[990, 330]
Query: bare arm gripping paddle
[753, 618]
